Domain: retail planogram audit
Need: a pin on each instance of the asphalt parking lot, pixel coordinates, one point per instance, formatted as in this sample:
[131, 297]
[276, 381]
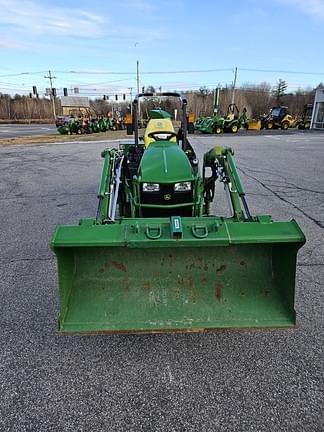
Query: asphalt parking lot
[18, 130]
[228, 381]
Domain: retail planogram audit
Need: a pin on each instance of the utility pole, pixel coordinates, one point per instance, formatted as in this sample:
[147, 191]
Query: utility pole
[50, 77]
[216, 100]
[138, 85]
[234, 84]
[131, 98]
[137, 77]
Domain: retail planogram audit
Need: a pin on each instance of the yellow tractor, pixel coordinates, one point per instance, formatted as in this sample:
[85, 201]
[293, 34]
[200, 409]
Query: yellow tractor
[278, 118]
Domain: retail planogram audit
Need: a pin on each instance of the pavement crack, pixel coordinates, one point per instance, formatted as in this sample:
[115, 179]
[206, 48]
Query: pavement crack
[287, 184]
[27, 259]
[276, 194]
[60, 195]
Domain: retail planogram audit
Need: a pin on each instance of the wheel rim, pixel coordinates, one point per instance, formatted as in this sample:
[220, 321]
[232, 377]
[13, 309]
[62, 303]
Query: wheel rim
[234, 128]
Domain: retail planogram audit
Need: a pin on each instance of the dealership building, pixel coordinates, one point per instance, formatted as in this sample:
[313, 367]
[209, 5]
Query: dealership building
[318, 110]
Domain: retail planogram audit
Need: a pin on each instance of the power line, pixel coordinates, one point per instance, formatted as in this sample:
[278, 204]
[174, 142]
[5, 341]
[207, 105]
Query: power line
[146, 73]
[281, 71]
[22, 73]
[184, 71]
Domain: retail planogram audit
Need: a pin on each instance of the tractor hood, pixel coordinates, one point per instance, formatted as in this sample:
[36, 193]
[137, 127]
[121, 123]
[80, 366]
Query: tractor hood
[165, 162]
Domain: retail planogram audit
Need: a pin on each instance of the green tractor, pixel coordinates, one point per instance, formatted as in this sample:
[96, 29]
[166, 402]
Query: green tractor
[217, 124]
[156, 258]
[234, 120]
[210, 125]
[72, 126]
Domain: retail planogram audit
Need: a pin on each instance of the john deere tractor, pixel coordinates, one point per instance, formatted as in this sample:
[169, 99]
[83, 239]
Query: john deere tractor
[156, 257]
[234, 120]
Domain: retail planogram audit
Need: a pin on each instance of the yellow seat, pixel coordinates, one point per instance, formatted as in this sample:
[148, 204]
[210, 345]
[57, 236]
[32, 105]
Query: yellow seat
[158, 125]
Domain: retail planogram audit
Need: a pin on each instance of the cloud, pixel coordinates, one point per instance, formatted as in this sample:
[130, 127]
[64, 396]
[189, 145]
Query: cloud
[312, 8]
[5, 44]
[36, 19]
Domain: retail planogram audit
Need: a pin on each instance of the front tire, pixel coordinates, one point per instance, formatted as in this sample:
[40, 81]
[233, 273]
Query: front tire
[234, 128]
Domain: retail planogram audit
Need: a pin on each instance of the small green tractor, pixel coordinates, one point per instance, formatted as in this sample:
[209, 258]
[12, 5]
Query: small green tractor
[210, 125]
[217, 124]
[157, 258]
[234, 120]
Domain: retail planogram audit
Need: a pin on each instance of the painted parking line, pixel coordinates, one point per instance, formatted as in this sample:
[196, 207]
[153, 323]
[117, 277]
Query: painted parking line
[275, 137]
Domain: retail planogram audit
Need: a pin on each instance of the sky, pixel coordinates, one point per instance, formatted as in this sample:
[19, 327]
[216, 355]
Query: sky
[180, 44]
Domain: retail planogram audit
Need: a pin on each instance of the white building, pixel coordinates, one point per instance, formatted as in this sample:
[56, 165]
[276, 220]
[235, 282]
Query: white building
[318, 110]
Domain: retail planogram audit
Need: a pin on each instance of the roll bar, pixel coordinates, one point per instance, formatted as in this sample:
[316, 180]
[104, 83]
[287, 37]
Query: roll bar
[164, 94]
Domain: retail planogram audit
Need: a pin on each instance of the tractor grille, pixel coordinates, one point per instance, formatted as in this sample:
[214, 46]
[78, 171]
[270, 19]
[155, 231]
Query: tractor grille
[166, 196]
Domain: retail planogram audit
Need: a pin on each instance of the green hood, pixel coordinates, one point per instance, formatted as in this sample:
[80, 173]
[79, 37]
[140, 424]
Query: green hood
[165, 162]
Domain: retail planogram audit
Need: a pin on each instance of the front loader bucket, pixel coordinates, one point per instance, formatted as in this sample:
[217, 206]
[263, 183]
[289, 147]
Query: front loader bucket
[254, 124]
[134, 277]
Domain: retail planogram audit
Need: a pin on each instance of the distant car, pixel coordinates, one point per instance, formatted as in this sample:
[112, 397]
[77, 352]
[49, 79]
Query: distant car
[62, 120]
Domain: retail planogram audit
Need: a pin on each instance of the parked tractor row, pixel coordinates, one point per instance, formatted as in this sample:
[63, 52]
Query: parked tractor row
[278, 118]
[87, 126]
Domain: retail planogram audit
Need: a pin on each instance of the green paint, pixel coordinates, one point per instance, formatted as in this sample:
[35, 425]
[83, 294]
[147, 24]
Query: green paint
[165, 160]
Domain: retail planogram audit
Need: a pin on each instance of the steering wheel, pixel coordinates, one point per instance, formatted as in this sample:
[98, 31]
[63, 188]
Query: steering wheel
[168, 134]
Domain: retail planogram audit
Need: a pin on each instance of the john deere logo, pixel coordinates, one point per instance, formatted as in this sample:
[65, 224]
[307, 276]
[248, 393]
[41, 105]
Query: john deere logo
[167, 197]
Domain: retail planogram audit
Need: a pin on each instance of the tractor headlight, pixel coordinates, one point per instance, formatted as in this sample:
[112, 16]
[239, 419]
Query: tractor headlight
[151, 187]
[182, 187]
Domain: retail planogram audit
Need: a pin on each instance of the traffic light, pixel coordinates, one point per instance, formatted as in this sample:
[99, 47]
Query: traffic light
[143, 89]
[116, 97]
[54, 92]
[34, 90]
[65, 92]
[124, 96]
